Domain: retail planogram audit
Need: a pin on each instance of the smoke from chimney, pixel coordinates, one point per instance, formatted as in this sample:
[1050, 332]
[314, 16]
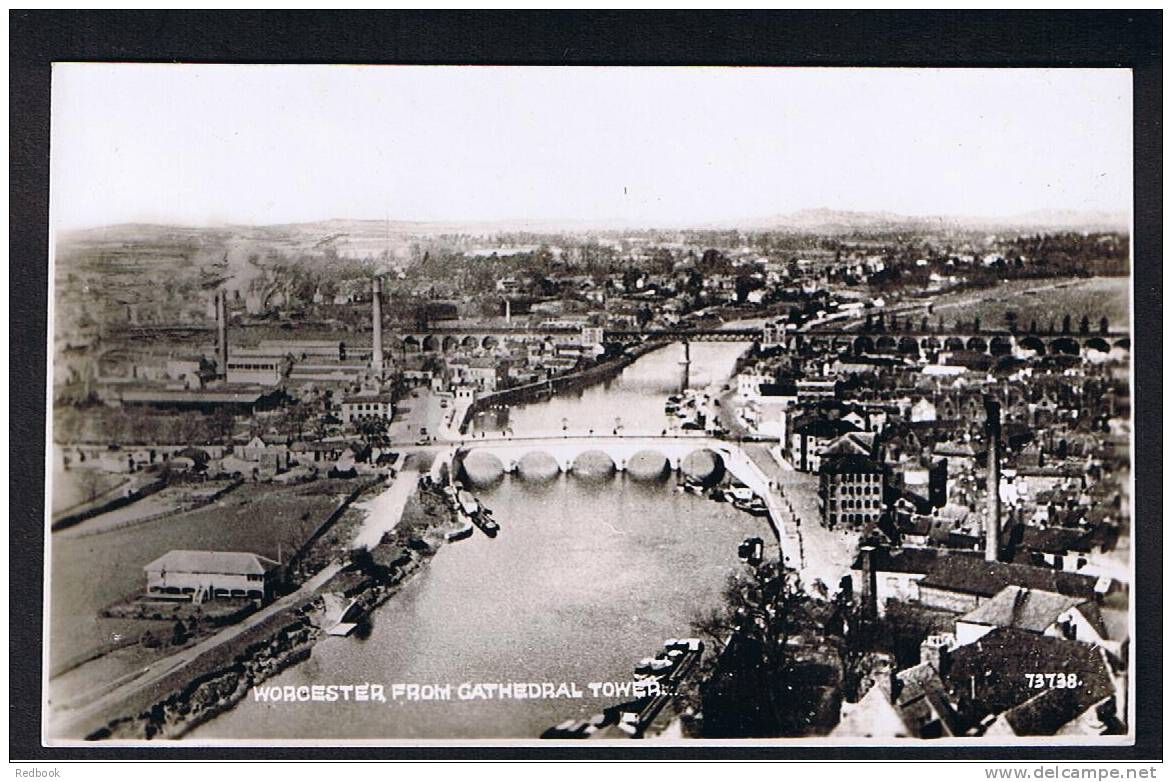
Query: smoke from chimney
[376, 311]
[993, 479]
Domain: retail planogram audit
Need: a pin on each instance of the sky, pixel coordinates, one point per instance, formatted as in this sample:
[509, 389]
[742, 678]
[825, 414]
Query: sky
[266, 144]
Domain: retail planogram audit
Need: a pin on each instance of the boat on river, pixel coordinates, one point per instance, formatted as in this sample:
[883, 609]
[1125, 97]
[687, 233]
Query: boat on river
[340, 616]
[755, 506]
[465, 531]
[486, 522]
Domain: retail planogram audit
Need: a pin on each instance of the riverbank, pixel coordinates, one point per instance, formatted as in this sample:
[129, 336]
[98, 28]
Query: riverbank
[536, 392]
[203, 681]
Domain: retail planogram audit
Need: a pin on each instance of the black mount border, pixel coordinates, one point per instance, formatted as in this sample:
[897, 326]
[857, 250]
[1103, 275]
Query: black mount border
[1121, 39]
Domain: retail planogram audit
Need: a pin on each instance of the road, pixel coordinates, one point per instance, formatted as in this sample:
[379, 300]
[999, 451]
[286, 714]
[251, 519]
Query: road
[383, 514]
[826, 554]
[384, 511]
[82, 720]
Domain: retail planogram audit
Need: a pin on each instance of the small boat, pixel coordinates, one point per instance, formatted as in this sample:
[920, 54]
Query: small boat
[468, 503]
[341, 616]
[485, 521]
[753, 508]
[654, 666]
[465, 531]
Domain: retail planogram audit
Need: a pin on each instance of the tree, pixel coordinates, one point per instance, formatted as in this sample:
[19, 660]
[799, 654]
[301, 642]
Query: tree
[976, 324]
[1011, 321]
[644, 316]
[92, 484]
[373, 432]
[1066, 324]
[1103, 325]
[223, 424]
[179, 634]
[751, 687]
[1084, 325]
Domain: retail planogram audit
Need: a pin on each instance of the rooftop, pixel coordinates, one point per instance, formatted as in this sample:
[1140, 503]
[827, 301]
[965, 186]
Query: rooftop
[1026, 609]
[232, 563]
[979, 577]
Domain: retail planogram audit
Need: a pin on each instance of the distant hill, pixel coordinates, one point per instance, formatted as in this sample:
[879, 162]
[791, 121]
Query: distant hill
[372, 235]
[831, 221]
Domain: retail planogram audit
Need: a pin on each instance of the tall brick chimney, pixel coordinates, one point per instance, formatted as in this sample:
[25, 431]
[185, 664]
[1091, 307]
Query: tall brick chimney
[993, 479]
[222, 333]
[376, 312]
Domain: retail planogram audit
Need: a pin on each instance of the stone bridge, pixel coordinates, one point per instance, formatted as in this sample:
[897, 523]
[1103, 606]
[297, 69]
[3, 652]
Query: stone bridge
[620, 450]
[441, 339]
[913, 343]
[652, 455]
[993, 343]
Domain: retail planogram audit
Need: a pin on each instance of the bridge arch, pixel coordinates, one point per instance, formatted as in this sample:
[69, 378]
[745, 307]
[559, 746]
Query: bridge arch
[1065, 345]
[470, 342]
[489, 342]
[411, 343]
[703, 465]
[1098, 343]
[977, 344]
[1124, 343]
[909, 346]
[431, 343]
[930, 344]
[538, 466]
[954, 343]
[481, 467]
[886, 344]
[1000, 346]
[839, 344]
[593, 464]
[450, 343]
[864, 344]
[1034, 344]
[648, 465]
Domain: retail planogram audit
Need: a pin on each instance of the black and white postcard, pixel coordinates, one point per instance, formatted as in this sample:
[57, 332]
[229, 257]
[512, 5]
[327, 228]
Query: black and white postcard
[596, 406]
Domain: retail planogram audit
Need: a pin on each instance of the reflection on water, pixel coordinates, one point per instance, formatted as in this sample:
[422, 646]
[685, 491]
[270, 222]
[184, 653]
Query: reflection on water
[633, 400]
[585, 578]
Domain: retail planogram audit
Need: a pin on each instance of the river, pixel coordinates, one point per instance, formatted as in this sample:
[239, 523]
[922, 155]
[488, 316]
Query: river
[633, 400]
[585, 578]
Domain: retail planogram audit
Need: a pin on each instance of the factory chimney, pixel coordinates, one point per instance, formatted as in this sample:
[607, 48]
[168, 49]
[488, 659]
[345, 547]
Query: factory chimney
[222, 333]
[376, 311]
[993, 479]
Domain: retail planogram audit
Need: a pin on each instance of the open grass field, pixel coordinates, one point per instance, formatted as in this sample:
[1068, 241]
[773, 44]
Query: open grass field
[89, 573]
[71, 488]
[1042, 301]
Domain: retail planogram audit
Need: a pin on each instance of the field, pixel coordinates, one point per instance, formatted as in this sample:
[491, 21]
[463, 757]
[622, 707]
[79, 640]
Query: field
[89, 573]
[1043, 301]
[73, 487]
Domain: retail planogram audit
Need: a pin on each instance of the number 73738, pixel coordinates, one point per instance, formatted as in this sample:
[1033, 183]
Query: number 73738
[1061, 681]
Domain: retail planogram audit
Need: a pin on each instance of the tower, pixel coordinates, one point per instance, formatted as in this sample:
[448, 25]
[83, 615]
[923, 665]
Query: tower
[376, 312]
[993, 479]
[685, 366]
